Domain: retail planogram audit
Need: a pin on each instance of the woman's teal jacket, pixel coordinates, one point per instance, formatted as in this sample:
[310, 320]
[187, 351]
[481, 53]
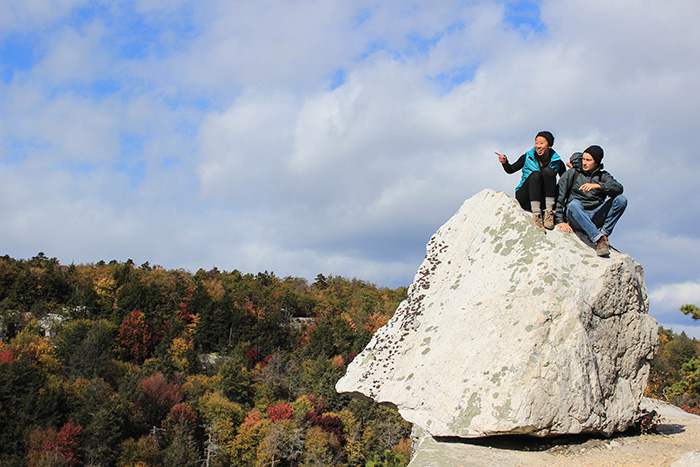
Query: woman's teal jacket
[531, 165]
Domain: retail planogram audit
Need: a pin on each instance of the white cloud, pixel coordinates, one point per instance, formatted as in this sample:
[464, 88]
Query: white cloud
[74, 57]
[244, 148]
[667, 257]
[676, 294]
[665, 302]
[250, 160]
[19, 15]
[268, 44]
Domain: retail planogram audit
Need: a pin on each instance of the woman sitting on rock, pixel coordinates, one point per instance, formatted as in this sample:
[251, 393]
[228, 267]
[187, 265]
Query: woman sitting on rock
[538, 184]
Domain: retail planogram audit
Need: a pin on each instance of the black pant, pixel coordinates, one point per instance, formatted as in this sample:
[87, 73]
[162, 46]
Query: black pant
[537, 186]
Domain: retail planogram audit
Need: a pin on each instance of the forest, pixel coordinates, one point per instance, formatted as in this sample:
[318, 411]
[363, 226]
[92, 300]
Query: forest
[113, 364]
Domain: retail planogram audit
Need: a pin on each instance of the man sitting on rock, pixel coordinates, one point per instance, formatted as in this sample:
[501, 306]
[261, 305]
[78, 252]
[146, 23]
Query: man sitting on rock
[590, 199]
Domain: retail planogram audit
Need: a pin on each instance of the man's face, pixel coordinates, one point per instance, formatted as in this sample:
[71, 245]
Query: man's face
[541, 145]
[588, 162]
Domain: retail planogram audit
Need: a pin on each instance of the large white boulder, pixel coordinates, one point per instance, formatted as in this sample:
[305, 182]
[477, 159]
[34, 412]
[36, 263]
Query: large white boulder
[508, 329]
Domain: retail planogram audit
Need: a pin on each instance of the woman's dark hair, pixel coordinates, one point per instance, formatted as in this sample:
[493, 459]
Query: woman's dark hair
[548, 136]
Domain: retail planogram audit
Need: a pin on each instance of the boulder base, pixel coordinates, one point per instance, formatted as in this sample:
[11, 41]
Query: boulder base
[511, 330]
[674, 444]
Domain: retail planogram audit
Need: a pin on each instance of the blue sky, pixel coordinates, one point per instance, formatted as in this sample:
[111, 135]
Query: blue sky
[335, 137]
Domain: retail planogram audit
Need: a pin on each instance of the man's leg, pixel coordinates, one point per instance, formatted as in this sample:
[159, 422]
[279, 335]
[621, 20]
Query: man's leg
[607, 214]
[580, 219]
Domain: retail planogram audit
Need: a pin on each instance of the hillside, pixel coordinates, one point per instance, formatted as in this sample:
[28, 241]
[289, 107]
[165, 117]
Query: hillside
[121, 365]
[114, 364]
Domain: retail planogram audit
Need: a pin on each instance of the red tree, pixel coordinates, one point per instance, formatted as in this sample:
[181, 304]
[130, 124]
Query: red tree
[49, 447]
[280, 412]
[67, 443]
[253, 356]
[6, 356]
[181, 415]
[159, 392]
[158, 396]
[328, 423]
[138, 335]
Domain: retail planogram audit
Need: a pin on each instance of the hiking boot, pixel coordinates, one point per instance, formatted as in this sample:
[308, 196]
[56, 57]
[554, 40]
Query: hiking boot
[548, 219]
[537, 220]
[602, 246]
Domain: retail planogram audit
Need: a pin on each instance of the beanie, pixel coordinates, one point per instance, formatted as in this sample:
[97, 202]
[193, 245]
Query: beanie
[596, 153]
[548, 136]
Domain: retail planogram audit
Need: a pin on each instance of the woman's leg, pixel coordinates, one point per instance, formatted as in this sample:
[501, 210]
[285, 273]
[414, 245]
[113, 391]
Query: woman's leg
[527, 202]
[523, 196]
[535, 191]
[549, 185]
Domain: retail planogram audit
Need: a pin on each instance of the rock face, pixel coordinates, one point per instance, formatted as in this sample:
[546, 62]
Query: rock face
[511, 330]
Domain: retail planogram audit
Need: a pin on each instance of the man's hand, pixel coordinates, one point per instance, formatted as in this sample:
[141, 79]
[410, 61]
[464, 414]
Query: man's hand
[501, 158]
[586, 187]
[564, 226]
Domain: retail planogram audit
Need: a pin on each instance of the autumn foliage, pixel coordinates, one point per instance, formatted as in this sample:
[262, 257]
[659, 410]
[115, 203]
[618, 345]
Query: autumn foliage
[328, 423]
[280, 412]
[118, 365]
[49, 447]
[138, 335]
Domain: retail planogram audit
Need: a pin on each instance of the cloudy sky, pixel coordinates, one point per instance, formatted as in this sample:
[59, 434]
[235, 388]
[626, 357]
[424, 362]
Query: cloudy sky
[334, 136]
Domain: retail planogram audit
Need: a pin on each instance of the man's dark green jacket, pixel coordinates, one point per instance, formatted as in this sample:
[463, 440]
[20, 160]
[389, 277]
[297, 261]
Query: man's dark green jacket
[591, 200]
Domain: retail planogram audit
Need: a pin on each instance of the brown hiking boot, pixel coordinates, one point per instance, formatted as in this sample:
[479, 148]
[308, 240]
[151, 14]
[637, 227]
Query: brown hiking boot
[548, 219]
[537, 220]
[602, 246]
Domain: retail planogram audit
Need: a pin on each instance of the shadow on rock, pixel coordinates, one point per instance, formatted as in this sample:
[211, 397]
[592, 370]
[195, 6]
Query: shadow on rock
[558, 443]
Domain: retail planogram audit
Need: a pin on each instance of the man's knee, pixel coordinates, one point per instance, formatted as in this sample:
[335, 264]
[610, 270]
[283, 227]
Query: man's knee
[575, 205]
[620, 201]
[574, 211]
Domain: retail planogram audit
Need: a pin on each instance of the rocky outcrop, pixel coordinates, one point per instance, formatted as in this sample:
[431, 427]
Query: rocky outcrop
[673, 443]
[511, 330]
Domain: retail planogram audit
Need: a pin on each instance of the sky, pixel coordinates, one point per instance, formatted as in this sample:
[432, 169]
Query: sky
[330, 136]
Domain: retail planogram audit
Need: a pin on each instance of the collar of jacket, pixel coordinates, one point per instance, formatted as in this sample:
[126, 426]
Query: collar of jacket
[532, 154]
[599, 168]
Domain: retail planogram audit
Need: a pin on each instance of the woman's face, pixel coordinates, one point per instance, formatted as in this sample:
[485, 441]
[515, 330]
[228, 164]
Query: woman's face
[541, 145]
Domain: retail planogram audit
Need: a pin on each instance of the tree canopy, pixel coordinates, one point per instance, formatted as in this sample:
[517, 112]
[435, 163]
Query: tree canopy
[114, 364]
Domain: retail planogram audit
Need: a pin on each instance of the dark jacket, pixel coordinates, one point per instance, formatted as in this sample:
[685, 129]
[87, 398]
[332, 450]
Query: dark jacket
[591, 200]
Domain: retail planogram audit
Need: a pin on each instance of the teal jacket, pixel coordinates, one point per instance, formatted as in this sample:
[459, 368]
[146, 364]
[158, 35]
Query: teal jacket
[529, 163]
[591, 200]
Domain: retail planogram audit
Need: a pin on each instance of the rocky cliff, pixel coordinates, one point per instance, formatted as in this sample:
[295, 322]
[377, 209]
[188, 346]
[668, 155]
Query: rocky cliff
[508, 329]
